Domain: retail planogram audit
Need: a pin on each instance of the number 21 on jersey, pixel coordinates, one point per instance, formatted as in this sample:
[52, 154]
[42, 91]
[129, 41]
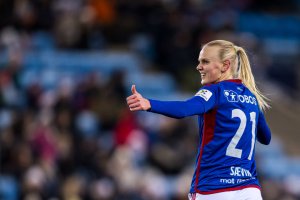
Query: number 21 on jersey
[231, 149]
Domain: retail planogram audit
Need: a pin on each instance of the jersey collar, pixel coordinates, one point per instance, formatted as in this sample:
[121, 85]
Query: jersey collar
[234, 80]
[228, 80]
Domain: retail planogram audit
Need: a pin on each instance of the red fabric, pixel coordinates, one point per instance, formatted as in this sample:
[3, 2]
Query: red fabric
[44, 143]
[124, 127]
[208, 134]
[229, 189]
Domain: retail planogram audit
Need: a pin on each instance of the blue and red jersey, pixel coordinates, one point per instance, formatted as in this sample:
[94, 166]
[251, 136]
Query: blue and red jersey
[230, 122]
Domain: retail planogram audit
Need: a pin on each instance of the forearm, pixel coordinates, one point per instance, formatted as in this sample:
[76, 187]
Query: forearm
[177, 109]
[263, 131]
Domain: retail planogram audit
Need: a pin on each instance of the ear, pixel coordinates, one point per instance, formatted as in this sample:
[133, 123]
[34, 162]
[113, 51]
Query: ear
[226, 65]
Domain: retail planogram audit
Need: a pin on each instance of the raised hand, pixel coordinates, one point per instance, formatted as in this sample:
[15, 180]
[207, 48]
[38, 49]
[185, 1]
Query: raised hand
[136, 101]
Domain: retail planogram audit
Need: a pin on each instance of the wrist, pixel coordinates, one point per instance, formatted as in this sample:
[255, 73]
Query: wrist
[148, 105]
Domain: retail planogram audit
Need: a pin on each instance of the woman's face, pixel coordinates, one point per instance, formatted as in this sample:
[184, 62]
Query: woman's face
[209, 65]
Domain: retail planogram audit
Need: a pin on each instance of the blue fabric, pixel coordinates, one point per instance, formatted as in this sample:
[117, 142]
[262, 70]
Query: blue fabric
[178, 109]
[230, 122]
[8, 188]
[263, 131]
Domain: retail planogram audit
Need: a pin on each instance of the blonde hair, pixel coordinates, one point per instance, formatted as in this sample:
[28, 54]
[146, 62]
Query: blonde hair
[240, 68]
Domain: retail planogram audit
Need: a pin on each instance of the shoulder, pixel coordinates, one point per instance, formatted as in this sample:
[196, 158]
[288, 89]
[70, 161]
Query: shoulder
[208, 91]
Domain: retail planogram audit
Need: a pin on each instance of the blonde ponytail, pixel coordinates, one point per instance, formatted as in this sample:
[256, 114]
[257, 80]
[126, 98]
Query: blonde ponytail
[240, 68]
[247, 77]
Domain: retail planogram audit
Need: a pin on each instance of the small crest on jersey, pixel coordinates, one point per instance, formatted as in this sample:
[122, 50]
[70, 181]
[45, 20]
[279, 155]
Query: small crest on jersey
[231, 95]
[205, 94]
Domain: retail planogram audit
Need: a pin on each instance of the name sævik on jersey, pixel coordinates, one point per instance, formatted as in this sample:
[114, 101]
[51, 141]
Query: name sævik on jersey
[227, 130]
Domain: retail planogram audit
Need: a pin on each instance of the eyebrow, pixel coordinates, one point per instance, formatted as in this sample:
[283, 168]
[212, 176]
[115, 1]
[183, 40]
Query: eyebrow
[203, 59]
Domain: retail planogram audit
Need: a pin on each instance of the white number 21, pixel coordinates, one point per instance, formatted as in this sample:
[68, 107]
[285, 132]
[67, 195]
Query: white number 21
[231, 149]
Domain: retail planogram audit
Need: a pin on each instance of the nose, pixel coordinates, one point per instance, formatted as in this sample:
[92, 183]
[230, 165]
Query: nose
[199, 67]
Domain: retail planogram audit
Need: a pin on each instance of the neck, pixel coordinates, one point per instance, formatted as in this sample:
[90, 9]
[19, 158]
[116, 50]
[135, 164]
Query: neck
[224, 76]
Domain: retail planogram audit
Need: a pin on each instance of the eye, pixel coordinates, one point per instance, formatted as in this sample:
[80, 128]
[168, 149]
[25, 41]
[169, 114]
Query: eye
[204, 61]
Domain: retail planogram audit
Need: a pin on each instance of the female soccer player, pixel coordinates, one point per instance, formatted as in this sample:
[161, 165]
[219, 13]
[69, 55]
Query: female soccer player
[230, 116]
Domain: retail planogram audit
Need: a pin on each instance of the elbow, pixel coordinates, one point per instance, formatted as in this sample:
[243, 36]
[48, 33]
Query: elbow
[265, 141]
[268, 141]
[178, 116]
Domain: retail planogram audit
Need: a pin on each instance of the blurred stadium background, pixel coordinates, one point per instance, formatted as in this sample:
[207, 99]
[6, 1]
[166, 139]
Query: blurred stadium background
[66, 67]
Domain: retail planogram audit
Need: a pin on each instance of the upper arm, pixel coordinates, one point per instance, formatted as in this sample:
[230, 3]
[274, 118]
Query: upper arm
[208, 97]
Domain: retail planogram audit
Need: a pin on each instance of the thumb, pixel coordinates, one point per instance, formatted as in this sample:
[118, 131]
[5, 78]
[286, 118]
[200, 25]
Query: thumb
[133, 89]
